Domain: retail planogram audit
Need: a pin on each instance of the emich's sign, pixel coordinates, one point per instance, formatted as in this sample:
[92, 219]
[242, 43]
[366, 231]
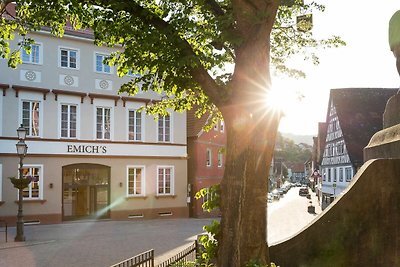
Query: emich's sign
[90, 149]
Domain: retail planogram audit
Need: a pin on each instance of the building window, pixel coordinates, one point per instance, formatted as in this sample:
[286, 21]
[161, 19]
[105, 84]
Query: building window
[68, 121]
[222, 129]
[30, 117]
[329, 175]
[34, 190]
[334, 175]
[340, 174]
[34, 57]
[324, 175]
[165, 180]
[134, 75]
[220, 159]
[348, 174]
[103, 123]
[164, 129]
[216, 126]
[208, 158]
[209, 196]
[134, 125]
[69, 58]
[135, 183]
[100, 66]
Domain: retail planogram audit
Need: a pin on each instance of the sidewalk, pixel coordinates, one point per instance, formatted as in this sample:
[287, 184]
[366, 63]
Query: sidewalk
[97, 243]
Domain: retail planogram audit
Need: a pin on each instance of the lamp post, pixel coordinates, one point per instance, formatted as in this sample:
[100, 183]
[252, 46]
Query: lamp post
[22, 148]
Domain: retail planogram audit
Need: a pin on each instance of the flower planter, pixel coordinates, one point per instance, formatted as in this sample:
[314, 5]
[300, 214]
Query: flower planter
[20, 183]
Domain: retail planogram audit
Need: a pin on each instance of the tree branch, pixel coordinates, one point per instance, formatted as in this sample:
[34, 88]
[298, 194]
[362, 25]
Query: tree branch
[200, 75]
[3, 5]
[215, 7]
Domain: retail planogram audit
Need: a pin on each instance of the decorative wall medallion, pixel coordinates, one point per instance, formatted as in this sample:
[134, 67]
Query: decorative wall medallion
[103, 84]
[68, 80]
[30, 75]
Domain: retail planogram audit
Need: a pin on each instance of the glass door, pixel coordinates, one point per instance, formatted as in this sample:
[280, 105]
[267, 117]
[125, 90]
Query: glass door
[86, 191]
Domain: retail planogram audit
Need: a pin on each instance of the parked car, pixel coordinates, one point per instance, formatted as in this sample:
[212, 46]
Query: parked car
[281, 191]
[303, 191]
[275, 194]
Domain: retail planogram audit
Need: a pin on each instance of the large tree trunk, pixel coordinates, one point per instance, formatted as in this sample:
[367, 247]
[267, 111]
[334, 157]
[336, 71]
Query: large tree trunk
[250, 145]
[251, 132]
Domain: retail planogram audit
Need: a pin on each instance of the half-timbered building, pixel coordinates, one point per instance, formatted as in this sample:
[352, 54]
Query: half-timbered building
[353, 116]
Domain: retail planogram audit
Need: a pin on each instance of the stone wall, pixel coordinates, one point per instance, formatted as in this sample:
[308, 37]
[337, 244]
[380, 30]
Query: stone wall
[384, 144]
[361, 228]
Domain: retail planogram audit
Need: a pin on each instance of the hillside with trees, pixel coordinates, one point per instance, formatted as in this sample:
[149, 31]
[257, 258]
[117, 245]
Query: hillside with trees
[291, 153]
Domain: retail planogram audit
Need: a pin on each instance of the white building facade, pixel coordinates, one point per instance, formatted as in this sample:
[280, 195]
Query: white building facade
[91, 152]
[336, 167]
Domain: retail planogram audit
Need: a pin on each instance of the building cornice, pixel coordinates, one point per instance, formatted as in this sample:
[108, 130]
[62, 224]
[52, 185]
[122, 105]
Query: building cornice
[57, 92]
[19, 88]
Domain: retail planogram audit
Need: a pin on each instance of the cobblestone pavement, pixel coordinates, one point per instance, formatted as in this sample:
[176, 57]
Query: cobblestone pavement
[289, 215]
[97, 243]
[102, 243]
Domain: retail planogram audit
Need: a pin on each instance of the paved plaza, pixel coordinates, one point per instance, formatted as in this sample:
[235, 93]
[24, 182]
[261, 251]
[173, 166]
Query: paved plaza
[102, 243]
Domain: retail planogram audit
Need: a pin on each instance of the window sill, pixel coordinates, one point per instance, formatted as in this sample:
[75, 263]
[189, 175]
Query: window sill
[135, 197]
[32, 63]
[165, 196]
[106, 73]
[41, 201]
[68, 68]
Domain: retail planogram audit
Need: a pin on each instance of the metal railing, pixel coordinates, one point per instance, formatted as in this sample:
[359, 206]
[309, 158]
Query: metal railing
[146, 259]
[187, 255]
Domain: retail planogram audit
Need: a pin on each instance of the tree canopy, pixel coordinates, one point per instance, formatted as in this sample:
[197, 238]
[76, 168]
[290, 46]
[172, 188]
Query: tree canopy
[212, 54]
[185, 49]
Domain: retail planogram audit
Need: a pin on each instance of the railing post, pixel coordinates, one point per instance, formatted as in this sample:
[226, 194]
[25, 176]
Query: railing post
[152, 258]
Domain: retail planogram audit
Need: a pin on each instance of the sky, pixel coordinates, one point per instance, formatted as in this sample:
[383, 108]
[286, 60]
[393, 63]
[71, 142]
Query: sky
[366, 60]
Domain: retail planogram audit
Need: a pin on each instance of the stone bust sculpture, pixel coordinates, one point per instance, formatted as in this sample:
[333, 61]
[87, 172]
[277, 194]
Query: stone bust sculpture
[394, 37]
[391, 116]
[386, 143]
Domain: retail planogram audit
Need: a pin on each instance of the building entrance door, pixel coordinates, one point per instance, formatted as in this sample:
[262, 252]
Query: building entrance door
[86, 191]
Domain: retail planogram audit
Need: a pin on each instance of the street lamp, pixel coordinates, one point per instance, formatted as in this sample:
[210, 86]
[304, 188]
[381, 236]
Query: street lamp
[21, 183]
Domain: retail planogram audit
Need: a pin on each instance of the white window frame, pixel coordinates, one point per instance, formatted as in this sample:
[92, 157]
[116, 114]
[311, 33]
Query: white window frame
[40, 58]
[172, 179]
[41, 170]
[135, 125]
[77, 120]
[68, 49]
[216, 127]
[341, 174]
[33, 99]
[163, 127]
[329, 175]
[142, 180]
[111, 122]
[348, 179]
[208, 157]
[334, 174]
[222, 127]
[104, 55]
[220, 159]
